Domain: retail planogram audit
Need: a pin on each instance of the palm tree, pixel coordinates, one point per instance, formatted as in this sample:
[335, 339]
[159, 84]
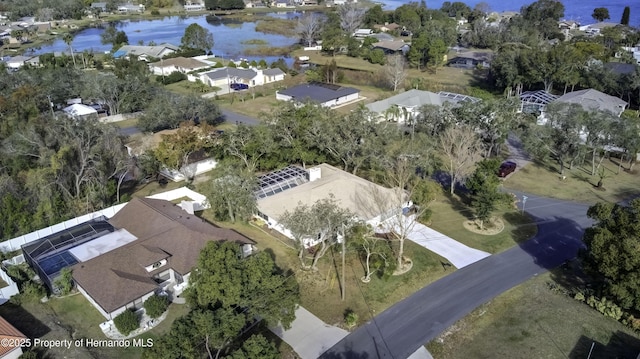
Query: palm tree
[68, 39]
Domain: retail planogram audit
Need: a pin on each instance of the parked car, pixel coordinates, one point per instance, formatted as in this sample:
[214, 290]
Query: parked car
[238, 87]
[506, 168]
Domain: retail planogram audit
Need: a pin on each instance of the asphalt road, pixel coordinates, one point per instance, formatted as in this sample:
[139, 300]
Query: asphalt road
[236, 118]
[418, 319]
[227, 116]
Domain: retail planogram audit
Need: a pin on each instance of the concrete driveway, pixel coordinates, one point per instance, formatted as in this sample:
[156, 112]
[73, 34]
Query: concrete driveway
[455, 252]
[310, 337]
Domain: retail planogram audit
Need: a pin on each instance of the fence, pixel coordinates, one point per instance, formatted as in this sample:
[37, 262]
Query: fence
[15, 243]
[120, 117]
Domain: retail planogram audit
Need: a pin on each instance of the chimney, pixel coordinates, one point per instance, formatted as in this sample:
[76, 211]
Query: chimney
[314, 174]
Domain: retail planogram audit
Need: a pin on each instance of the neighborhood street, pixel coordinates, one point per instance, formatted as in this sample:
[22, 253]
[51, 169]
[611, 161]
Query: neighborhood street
[409, 324]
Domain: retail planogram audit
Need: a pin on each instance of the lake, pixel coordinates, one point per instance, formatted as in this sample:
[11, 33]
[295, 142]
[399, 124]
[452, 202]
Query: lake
[227, 35]
[578, 10]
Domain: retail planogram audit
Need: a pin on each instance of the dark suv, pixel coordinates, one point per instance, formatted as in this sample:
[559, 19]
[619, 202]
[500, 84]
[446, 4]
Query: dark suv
[506, 168]
[238, 87]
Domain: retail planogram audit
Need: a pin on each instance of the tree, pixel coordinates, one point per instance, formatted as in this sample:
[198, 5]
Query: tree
[217, 327]
[461, 149]
[611, 253]
[333, 37]
[543, 16]
[114, 37]
[231, 194]
[625, 16]
[222, 278]
[197, 37]
[483, 189]
[256, 347]
[395, 71]
[374, 16]
[175, 149]
[559, 136]
[126, 322]
[68, 39]
[492, 119]
[249, 144]
[351, 17]
[600, 14]
[321, 224]
[374, 251]
[309, 27]
[167, 111]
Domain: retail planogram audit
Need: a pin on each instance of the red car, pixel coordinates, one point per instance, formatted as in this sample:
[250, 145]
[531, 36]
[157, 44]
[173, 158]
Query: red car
[506, 168]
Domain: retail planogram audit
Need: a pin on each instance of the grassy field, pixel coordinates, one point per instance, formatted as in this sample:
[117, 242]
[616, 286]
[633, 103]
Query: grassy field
[444, 79]
[544, 179]
[127, 123]
[535, 321]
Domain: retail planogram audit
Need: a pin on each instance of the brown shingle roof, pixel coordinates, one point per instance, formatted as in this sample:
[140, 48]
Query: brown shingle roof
[8, 331]
[164, 231]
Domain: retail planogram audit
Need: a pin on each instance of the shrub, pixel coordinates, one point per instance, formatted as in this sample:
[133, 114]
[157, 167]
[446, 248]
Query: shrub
[64, 283]
[171, 78]
[156, 305]
[350, 319]
[126, 322]
[155, 12]
[376, 57]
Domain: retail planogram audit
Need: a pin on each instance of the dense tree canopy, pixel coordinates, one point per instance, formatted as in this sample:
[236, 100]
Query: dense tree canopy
[612, 251]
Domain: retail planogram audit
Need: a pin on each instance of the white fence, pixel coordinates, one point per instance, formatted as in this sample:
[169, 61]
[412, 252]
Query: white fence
[193, 169]
[120, 117]
[15, 243]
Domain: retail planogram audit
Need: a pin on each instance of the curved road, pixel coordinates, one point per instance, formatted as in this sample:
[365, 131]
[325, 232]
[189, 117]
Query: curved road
[418, 319]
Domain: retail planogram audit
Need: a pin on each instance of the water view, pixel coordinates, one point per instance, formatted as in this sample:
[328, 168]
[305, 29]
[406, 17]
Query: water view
[228, 36]
[579, 10]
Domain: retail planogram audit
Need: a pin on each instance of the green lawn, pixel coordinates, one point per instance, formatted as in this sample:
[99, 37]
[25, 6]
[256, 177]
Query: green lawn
[534, 321]
[544, 179]
[449, 214]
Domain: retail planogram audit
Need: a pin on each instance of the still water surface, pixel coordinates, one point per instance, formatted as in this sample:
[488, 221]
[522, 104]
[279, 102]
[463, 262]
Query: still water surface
[227, 35]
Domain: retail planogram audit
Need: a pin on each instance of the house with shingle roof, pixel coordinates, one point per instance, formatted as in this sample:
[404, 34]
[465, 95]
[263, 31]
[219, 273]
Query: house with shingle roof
[149, 246]
[326, 95]
[12, 336]
[177, 64]
[252, 77]
[408, 106]
[594, 100]
[144, 53]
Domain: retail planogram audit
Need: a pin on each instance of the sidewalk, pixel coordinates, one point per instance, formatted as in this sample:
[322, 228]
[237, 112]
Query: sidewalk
[310, 337]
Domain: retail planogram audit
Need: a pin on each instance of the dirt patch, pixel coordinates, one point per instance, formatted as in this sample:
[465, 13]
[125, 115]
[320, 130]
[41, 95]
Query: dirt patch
[489, 228]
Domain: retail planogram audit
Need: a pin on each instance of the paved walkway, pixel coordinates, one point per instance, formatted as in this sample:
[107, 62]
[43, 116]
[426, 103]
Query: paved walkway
[310, 337]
